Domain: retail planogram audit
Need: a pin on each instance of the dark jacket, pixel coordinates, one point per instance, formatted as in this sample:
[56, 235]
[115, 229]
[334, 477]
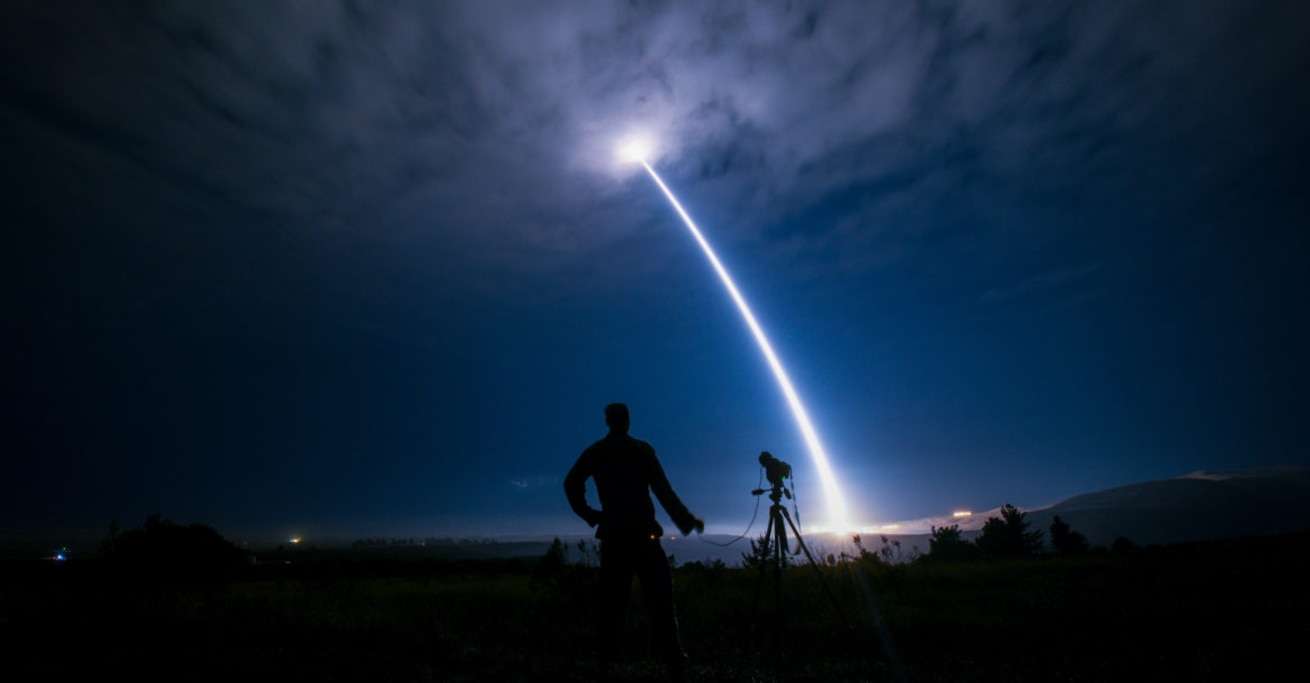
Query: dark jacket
[626, 472]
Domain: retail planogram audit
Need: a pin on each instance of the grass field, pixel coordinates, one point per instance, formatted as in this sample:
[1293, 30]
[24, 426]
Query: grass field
[1217, 611]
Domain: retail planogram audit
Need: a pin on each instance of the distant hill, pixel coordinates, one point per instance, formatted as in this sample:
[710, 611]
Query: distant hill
[1200, 506]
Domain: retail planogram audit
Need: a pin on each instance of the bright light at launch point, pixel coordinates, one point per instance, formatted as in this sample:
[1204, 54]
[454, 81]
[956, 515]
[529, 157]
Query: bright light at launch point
[635, 150]
[838, 522]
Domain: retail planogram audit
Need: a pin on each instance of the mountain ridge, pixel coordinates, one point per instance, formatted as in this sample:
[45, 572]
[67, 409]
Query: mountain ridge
[1198, 506]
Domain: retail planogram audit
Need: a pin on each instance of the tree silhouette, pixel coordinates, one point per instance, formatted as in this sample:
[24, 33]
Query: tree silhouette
[552, 562]
[1065, 540]
[574, 582]
[761, 554]
[1123, 544]
[163, 550]
[1008, 536]
[948, 545]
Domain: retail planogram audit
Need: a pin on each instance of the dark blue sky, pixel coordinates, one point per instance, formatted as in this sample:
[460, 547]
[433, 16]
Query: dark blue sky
[352, 269]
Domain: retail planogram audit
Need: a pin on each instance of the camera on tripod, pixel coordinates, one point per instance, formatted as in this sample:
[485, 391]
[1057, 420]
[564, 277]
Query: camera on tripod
[777, 472]
[773, 549]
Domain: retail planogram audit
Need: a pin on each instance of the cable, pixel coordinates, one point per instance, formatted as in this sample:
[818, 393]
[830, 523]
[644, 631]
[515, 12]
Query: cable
[748, 526]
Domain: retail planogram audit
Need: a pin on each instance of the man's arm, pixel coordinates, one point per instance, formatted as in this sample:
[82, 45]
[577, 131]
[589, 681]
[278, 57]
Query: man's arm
[659, 484]
[575, 487]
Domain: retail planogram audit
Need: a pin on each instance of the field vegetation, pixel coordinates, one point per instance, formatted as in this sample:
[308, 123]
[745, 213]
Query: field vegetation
[1213, 611]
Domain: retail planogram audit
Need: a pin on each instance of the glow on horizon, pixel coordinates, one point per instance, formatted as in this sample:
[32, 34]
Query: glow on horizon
[837, 522]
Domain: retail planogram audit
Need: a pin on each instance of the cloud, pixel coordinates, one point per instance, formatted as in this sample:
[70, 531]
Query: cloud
[1054, 288]
[532, 482]
[482, 133]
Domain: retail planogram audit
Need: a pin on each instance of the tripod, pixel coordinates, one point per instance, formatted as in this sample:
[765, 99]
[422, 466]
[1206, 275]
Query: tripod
[775, 538]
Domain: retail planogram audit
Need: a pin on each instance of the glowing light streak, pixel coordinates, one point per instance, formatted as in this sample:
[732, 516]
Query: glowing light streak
[837, 519]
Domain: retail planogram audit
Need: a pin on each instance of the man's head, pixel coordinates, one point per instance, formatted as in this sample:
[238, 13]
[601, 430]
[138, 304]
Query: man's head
[616, 416]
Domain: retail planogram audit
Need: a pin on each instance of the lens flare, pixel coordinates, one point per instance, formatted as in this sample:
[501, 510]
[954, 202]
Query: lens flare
[837, 519]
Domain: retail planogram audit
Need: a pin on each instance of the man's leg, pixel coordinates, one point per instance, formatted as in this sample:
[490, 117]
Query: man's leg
[657, 586]
[616, 569]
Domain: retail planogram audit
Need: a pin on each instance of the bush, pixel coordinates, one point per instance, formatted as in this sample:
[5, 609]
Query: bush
[948, 545]
[762, 553]
[1007, 536]
[163, 550]
[1065, 540]
[571, 582]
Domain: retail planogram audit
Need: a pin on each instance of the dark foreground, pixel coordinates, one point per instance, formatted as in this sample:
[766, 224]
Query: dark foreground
[1222, 611]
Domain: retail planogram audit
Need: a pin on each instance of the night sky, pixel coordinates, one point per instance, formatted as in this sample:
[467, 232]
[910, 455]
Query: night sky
[372, 269]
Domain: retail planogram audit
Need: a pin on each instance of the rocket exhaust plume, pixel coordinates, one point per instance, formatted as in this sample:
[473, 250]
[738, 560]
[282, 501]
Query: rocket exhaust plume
[837, 519]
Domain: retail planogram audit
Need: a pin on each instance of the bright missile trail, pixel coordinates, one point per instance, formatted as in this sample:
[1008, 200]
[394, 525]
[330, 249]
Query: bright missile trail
[837, 520]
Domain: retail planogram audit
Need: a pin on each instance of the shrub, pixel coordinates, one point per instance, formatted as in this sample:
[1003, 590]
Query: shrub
[948, 545]
[163, 550]
[1008, 536]
[762, 554]
[1065, 540]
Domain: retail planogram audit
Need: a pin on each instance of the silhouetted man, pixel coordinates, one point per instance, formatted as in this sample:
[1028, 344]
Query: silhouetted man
[626, 472]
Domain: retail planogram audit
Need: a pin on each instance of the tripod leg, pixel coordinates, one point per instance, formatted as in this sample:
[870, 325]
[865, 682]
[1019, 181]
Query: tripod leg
[824, 584]
[779, 560]
[764, 563]
[883, 633]
[799, 541]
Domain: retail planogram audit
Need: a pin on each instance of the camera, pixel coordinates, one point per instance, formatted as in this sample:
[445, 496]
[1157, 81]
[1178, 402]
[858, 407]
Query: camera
[774, 469]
